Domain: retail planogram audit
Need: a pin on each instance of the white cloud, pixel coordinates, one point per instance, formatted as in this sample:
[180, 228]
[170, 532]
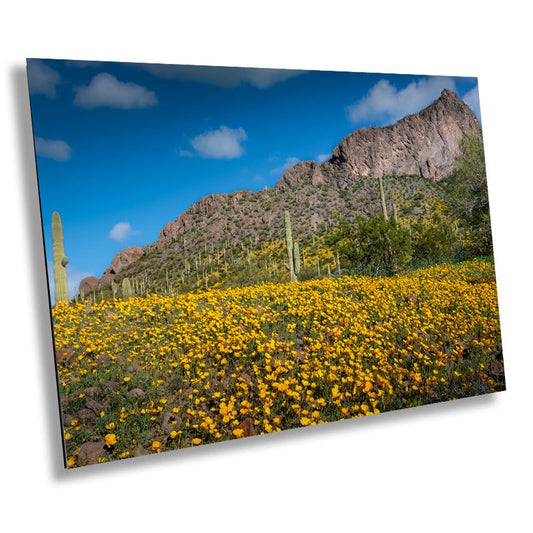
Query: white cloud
[121, 231]
[471, 99]
[224, 143]
[264, 78]
[261, 78]
[42, 78]
[57, 150]
[289, 162]
[386, 104]
[106, 91]
[323, 157]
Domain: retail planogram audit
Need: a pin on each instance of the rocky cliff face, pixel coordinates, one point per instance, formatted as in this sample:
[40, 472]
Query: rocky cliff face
[304, 170]
[425, 144]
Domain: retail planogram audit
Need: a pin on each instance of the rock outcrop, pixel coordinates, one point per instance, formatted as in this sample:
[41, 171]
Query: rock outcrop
[302, 171]
[122, 259]
[125, 257]
[425, 144]
[89, 284]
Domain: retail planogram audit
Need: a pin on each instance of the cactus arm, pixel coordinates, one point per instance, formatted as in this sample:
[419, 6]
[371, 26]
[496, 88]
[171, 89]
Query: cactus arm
[127, 291]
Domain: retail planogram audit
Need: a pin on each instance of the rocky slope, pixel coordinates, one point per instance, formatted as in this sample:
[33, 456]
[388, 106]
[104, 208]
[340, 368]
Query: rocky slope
[414, 154]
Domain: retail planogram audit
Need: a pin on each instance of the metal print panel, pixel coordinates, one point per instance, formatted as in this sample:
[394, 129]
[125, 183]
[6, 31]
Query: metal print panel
[238, 251]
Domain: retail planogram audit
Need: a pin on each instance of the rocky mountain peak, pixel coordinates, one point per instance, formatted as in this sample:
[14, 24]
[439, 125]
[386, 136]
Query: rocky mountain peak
[424, 144]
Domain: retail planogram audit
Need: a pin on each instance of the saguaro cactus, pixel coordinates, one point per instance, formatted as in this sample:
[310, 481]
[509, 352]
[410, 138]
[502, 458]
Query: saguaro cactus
[127, 291]
[383, 203]
[60, 260]
[296, 252]
[290, 248]
[395, 213]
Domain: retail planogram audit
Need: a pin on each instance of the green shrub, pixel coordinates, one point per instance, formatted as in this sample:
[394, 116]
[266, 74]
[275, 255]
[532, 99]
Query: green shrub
[373, 246]
[467, 198]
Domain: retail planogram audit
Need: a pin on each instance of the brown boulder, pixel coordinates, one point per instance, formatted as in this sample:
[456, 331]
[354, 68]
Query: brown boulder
[126, 257]
[67, 420]
[87, 417]
[112, 385]
[108, 276]
[103, 359]
[122, 259]
[247, 426]
[88, 284]
[94, 406]
[64, 355]
[89, 452]
[91, 391]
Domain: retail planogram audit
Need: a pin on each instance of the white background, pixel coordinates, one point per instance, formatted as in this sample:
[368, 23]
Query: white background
[460, 466]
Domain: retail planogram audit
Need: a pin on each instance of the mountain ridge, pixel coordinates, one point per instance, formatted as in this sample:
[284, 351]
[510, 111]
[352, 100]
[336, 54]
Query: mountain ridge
[422, 146]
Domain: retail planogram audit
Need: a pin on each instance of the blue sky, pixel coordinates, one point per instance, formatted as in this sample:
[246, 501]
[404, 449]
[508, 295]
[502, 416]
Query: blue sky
[124, 148]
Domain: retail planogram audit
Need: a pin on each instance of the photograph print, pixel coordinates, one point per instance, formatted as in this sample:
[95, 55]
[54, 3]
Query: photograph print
[232, 252]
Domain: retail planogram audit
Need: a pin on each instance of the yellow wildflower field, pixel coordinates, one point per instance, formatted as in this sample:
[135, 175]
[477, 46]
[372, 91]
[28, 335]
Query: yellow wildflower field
[158, 373]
